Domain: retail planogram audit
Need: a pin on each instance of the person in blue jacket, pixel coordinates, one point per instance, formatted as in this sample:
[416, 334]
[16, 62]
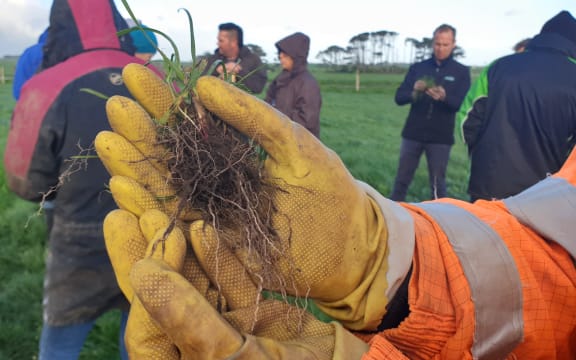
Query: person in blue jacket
[28, 64]
[435, 89]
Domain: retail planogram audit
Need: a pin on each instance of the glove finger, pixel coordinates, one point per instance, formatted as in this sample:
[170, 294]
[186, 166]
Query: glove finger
[152, 92]
[193, 272]
[165, 240]
[125, 244]
[277, 320]
[184, 315]
[223, 268]
[285, 141]
[136, 184]
[120, 157]
[153, 221]
[131, 196]
[145, 339]
[129, 119]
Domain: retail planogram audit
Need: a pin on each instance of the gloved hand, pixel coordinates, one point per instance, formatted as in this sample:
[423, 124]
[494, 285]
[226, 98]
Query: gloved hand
[155, 236]
[247, 329]
[129, 239]
[336, 234]
[126, 244]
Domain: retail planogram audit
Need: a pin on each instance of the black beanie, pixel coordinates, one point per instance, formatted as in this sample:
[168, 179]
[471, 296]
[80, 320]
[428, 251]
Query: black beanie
[563, 24]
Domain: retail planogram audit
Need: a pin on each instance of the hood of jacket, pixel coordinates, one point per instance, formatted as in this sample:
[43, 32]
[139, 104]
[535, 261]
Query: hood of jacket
[297, 47]
[557, 34]
[78, 26]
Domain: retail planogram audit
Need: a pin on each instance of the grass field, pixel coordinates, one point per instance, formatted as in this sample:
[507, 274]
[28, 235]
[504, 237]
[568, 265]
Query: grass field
[363, 128]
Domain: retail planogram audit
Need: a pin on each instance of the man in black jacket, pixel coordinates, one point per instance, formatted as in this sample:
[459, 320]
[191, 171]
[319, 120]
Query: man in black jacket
[435, 89]
[524, 127]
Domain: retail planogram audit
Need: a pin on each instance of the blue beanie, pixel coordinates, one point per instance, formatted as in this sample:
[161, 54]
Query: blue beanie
[141, 43]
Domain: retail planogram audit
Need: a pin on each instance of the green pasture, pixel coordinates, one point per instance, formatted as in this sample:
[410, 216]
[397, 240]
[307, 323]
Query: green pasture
[362, 127]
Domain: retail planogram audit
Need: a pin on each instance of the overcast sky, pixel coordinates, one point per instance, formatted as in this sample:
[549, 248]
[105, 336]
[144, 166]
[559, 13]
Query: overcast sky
[485, 29]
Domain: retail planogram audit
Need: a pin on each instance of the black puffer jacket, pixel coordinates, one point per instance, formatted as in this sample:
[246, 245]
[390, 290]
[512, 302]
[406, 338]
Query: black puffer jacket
[521, 124]
[296, 93]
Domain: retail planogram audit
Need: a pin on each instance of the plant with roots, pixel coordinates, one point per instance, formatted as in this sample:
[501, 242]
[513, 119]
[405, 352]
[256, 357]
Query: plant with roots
[215, 170]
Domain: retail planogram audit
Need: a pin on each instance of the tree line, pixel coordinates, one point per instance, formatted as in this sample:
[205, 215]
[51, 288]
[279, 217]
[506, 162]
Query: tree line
[378, 48]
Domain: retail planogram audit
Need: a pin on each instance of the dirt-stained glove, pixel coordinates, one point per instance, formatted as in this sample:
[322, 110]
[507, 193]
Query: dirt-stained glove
[129, 154]
[129, 239]
[269, 329]
[172, 318]
[336, 234]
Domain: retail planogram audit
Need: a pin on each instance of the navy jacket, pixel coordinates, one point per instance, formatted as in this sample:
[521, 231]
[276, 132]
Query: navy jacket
[520, 122]
[432, 121]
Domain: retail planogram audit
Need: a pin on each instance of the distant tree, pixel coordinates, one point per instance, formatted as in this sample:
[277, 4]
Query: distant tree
[390, 43]
[357, 48]
[257, 50]
[413, 44]
[333, 55]
[358, 45]
[377, 38]
[424, 49]
[458, 52]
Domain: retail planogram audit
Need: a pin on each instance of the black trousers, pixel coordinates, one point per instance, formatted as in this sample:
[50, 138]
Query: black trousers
[437, 156]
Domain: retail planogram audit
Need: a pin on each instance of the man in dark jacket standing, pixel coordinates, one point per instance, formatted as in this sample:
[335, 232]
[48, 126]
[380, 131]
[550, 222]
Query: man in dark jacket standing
[295, 92]
[53, 122]
[524, 127]
[237, 62]
[435, 89]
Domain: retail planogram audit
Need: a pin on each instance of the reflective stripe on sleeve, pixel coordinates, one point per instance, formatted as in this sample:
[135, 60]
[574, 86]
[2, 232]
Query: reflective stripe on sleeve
[549, 208]
[492, 276]
[401, 238]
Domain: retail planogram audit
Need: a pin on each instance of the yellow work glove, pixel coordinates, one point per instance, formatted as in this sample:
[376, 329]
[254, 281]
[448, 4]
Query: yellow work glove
[128, 240]
[131, 152]
[269, 329]
[200, 332]
[171, 318]
[335, 233]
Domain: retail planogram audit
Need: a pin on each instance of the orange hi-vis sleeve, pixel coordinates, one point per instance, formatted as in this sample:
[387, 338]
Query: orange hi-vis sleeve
[446, 294]
[442, 322]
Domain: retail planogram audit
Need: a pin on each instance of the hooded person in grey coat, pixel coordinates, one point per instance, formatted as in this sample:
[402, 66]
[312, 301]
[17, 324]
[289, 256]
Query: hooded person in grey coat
[295, 92]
